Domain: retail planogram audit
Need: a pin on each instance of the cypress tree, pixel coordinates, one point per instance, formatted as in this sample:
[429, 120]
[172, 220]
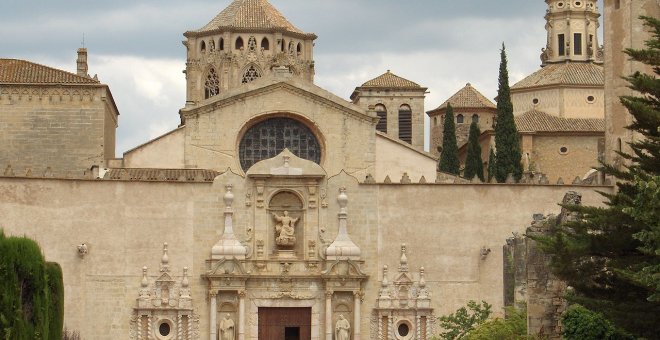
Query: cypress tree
[474, 165]
[449, 155]
[27, 283]
[611, 256]
[491, 164]
[506, 135]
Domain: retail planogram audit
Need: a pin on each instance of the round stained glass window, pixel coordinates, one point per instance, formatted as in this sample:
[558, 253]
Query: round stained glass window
[268, 138]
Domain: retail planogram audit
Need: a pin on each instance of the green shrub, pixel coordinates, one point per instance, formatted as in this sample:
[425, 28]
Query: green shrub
[27, 310]
[580, 323]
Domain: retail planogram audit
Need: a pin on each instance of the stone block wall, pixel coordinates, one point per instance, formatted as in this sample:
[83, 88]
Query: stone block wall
[67, 129]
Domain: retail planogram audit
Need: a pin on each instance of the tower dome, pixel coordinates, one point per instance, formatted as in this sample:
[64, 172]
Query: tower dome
[246, 41]
[572, 27]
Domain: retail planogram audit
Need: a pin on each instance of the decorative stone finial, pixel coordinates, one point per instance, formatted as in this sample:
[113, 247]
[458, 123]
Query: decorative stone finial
[144, 282]
[165, 260]
[343, 247]
[385, 280]
[228, 246]
[403, 262]
[342, 198]
[229, 196]
[422, 279]
[184, 281]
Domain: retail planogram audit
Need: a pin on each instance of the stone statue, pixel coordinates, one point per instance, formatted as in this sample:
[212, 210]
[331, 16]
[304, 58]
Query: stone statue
[342, 329]
[285, 229]
[227, 328]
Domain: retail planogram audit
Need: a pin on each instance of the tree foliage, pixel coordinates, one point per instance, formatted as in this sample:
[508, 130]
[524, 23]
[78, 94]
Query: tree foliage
[474, 165]
[579, 323]
[31, 299]
[512, 327]
[507, 160]
[458, 324]
[491, 164]
[610, 256]
[449, 154]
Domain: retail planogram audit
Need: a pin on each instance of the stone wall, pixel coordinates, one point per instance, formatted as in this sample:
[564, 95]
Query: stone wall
[65, 128]
[125, 223]
[623, 29]
[530, 276]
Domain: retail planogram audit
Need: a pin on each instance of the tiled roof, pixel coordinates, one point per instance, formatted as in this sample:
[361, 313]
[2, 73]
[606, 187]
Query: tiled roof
[390, 80]
[537, 121]
[14, 71]
[571, 73]
[468, 97]
[251, 14]
[171, 175]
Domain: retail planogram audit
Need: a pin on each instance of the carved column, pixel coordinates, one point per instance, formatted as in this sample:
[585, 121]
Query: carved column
[213, 325]
[328, 315]
[241, 314]
[357, 300]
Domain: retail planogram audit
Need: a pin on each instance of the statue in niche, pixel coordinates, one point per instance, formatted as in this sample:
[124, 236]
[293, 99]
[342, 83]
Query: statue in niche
[285, 229]
[227, 328]
[342, 329]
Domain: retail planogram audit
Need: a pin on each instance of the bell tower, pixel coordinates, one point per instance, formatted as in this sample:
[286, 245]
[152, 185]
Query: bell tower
[248, 40]
[572, 27]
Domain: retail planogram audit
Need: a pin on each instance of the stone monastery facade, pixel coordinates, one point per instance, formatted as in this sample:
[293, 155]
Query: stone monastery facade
[276, 210]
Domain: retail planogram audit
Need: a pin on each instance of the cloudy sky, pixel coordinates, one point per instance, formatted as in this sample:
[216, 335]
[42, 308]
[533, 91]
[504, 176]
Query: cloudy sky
[135, 46]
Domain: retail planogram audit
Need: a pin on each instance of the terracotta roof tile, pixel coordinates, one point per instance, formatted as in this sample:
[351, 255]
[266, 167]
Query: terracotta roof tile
[390, 80]
[468, 97]
[537, 121]
[14, 71]
[168, 175]
[572, 73]
[251, 14]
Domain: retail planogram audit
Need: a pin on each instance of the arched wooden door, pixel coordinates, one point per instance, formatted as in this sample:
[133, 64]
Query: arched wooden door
[285, 323]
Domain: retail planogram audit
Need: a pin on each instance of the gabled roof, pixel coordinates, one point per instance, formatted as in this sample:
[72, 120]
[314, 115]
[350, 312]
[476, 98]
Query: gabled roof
[570, 73]
[15, 71]
[391, 80]
[537, 121]
[250, 14]
[467, 97]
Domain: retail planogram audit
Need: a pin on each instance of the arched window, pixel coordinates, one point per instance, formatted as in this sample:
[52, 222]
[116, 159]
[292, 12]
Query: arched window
[475, 118]
[211, 45]
[282, 45]
[221, 44]
[212, 84]
[299, 48]
[381, 112]
[203, 46]
[265, 44]
[460, 119]
[239, 43]
[405, 123]
[251, 74]
[252, 44]
[268, 138]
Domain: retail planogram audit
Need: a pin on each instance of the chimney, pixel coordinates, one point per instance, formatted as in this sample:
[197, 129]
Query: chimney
[82, 62]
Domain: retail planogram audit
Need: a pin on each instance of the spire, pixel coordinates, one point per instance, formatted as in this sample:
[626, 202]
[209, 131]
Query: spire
[343, 247]
[228, 247]
[572, 28]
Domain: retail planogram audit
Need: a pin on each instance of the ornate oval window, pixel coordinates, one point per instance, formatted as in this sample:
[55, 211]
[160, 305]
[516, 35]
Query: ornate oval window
[268, 138]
